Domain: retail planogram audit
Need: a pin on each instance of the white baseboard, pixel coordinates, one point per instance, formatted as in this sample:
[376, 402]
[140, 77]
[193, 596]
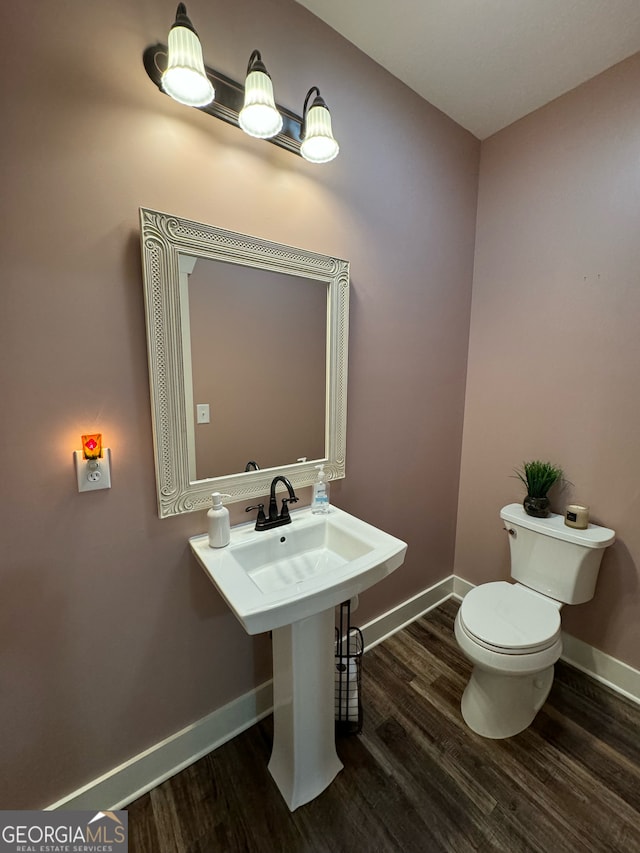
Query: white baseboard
[461, 587]
[138, 775]
[602, 667]
[150, 768]
[399, 617]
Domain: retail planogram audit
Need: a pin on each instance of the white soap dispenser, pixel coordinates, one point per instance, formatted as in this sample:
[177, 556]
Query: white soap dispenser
[320, 497]
[219, 525]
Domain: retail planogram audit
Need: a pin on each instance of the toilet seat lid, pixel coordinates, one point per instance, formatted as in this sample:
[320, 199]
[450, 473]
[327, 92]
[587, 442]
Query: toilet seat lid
[510, 618]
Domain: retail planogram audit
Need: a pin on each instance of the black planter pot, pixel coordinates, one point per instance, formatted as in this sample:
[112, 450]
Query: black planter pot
[537, 507]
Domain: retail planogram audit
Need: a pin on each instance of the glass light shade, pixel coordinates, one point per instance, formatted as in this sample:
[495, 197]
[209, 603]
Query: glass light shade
[185, 78]
[318, 145]
[259, 116]
[92, 446]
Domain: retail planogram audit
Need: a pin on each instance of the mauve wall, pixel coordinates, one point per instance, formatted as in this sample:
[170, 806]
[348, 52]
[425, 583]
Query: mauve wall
[110, 636]
[554, 358]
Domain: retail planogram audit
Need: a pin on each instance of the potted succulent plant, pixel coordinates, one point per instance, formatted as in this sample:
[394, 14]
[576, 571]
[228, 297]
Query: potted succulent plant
[538, 477]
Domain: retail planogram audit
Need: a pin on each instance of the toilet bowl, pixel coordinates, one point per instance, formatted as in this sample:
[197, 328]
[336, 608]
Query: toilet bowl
[511, 631]
[512, 637]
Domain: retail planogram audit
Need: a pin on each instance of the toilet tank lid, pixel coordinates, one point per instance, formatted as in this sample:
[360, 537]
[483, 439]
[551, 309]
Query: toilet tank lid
[553, 525]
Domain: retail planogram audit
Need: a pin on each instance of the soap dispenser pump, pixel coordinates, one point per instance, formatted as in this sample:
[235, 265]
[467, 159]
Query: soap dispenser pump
[320, 497]
[219, 525]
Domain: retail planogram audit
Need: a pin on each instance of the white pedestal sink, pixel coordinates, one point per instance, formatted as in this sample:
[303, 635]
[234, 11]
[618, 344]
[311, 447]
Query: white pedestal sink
[288, 580]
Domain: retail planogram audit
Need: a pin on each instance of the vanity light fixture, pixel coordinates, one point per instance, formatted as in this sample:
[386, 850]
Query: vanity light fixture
[179, 71]
[318, 143]
[184, 78]
[93, 464]
[259, 116]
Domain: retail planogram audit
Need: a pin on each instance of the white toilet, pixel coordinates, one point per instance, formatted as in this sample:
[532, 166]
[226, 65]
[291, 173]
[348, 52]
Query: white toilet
[511, 632]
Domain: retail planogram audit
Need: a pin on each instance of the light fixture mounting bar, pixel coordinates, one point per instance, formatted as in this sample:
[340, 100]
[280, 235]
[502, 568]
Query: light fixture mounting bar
[229, 99]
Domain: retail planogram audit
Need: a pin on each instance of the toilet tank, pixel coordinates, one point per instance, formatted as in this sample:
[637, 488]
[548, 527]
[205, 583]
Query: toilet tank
[549, 557]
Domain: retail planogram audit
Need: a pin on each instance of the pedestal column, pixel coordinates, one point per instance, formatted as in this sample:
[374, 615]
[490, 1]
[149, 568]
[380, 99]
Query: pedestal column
[304, 759]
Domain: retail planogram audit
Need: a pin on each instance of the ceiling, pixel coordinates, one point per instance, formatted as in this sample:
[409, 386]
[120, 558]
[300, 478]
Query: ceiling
[487, 63]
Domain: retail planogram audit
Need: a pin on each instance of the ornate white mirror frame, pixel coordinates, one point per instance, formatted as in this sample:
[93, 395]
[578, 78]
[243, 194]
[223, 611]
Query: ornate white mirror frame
[166, 240]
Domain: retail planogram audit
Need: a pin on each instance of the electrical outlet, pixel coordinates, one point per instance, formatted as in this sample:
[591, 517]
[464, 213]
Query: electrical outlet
[93, 474]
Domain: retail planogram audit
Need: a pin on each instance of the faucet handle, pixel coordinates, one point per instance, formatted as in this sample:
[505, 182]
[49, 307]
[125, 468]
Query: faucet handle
[284, 512]
[261, 516]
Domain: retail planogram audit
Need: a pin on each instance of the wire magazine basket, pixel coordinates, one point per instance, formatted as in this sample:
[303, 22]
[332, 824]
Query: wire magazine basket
[348, 671]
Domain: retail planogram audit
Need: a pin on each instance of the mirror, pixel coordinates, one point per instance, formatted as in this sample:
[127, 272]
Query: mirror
[279, 363]
[247, 345]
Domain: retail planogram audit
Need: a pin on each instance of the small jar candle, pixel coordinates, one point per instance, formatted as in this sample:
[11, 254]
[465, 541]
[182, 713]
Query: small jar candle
[576, 516]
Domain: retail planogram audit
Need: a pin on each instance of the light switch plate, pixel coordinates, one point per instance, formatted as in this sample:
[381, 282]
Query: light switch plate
[202, 413]
[93, 474]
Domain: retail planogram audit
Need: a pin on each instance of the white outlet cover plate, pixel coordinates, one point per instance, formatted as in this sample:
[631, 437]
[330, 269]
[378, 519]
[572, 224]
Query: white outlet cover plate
[93, 474]
[202, 413]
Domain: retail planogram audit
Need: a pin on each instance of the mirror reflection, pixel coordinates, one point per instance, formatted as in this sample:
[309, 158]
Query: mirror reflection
[258, 368]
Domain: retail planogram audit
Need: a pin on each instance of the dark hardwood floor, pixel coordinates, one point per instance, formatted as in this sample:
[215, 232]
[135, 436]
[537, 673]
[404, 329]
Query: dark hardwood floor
[417, 780]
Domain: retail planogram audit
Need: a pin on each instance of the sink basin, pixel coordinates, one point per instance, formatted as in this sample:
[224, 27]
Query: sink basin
[276, 577]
